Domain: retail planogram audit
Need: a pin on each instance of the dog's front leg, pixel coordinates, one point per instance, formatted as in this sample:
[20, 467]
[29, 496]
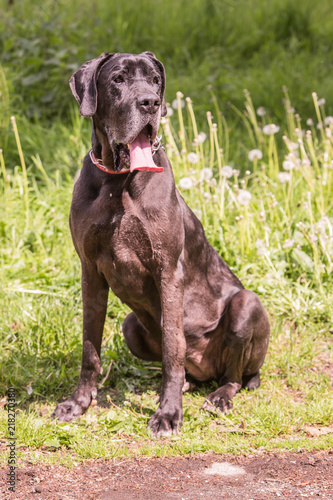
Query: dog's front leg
[169, 415]
[94, 296]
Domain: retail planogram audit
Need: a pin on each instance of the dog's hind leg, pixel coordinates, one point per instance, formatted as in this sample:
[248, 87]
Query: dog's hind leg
[140, 341]
[246, 335]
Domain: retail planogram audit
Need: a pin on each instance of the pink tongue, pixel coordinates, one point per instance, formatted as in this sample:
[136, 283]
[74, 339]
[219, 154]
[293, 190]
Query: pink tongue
[140, 155]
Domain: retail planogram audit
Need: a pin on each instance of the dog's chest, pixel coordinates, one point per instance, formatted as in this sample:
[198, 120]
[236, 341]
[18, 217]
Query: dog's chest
[118, 243]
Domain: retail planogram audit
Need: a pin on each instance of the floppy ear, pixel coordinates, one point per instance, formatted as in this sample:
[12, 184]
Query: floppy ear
[161, 70]
[83, 84]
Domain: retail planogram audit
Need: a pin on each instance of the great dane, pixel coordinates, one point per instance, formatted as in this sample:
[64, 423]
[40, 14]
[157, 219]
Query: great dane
[135, 234]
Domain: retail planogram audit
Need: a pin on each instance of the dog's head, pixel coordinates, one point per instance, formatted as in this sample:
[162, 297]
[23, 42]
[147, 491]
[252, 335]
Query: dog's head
[124, 93]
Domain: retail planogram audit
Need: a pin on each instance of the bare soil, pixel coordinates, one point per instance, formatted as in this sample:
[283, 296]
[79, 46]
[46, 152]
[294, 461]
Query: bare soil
[202, 476]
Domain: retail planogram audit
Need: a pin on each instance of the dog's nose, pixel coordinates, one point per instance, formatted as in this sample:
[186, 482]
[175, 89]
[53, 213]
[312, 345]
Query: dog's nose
[149, 103]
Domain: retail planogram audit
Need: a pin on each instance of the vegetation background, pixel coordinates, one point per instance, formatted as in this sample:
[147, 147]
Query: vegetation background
[278, 239]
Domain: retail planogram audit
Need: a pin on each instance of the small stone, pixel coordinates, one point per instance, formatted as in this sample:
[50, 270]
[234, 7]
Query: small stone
[38, 489]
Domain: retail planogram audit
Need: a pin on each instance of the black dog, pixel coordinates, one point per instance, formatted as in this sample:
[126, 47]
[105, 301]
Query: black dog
[135, 234]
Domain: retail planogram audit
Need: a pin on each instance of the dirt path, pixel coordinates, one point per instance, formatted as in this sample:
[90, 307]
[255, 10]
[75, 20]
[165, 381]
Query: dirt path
[208, 476]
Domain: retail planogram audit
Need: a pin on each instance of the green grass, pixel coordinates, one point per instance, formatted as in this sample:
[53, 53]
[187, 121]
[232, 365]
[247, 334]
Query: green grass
[279, 242]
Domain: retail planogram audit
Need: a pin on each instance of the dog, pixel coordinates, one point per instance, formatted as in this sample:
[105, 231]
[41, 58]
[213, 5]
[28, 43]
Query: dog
[135, 234]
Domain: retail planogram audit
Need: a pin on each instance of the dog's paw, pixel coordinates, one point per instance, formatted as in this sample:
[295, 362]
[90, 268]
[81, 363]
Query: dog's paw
[217, 401]
[70, 410]
[165, 424]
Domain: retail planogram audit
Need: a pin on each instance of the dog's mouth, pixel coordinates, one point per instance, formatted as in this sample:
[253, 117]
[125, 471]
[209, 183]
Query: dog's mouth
[137, 155]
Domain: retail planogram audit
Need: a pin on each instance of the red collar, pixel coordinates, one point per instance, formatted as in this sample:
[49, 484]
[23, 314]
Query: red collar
[157, 144]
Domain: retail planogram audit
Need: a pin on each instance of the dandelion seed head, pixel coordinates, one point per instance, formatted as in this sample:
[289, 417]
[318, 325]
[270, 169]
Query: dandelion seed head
[202, 137]
[193, 158]
[261, 111]
[261, 247]
[288, 165]
[288, 243]
[175, 102]
[169, 111]
[185, 183]
[270, 129]
[321, 102]
[293, 146]
[197, 212]
[226, 171]
[244, 197]
[255, 154]
[284, 177]
[309, 122]
[206, 174]
[306, 162]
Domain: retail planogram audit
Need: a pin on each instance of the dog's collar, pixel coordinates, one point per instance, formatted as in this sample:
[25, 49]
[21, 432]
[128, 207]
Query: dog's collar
[157, 144]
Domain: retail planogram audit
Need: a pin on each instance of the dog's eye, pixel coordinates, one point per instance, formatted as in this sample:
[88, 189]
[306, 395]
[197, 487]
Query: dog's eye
[118, 79]
[156, 80]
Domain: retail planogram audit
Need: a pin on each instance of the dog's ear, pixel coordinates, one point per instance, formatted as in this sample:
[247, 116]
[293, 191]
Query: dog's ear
[161, 70]
[83, 84]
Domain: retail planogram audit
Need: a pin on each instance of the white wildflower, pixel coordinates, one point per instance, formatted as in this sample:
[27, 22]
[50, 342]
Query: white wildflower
[322, 224]
[293, 146]
[29, 389]
[175, 103]
[271, 129]
[185, 183]
[261, 248]
[309, 122]
[288, 165]
[291, 110]
[197, 212]
[207, 196]
[321, 102]
[193, 158]
[288, 243]
[306, 162]
[236, 172]
[244, 197]
[255, 154]
[169, 111]
[226, 171]
[202, 137]
[206, 174]
[261, 111]
[284, 177]
[328, 120]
